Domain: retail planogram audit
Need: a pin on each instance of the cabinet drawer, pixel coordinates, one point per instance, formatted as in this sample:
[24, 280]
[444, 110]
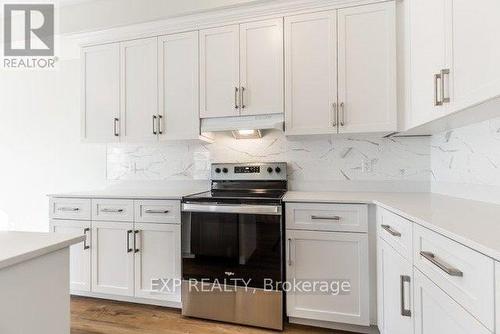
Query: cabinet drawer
[396, 231]
[70, 208]
[327, 217]
[113, 210]
[466, 275]
[158, 211]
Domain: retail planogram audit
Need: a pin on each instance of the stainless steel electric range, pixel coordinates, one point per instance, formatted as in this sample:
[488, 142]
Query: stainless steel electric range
[232, 246]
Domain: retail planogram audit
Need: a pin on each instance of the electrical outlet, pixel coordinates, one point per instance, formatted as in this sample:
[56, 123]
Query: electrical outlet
[367, 166]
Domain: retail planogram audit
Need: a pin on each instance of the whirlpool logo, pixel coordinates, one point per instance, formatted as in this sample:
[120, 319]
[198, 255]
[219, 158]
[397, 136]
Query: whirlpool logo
[29, 36]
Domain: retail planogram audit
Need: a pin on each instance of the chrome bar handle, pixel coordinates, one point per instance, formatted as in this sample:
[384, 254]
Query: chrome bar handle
[236, 90]
[337, 218]
[404, 312]
[342, 108]
[441, 265]
[335, 114]
[437, 101]
[107, 210]
[115, 126]
[68, 209]
[156, 211]
[85, 246]
[154, 124]
[445, 72]
[129, 232]
[242, 96]
[136, 250]
[160, 120]
[289, 251]
[391, 231]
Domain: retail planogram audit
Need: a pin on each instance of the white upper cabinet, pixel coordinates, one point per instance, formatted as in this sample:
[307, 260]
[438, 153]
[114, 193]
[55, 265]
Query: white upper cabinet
[101, 93]
[178, 116]
[367, 69]
[311, 73]
[476, 51]
[429, 56]
[261, 67]
[340, 71]
[219, 72]
[241, 69]
[139, 89]
[452, 48]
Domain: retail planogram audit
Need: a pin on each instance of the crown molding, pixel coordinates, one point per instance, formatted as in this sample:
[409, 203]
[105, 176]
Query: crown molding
[207, 19]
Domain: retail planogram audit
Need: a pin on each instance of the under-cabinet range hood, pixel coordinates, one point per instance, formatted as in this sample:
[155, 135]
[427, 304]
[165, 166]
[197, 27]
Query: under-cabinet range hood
[260, 122]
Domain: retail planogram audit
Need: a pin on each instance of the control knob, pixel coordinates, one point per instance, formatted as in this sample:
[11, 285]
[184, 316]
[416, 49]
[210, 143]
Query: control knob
[225, 170]
[217, 170]
[277, 170]
[269, 170]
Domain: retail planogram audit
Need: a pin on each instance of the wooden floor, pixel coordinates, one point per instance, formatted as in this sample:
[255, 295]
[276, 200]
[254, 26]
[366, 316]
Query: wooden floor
[97, 316]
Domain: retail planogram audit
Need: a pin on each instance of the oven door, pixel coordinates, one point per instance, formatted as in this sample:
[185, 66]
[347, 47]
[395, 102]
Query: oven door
[235, 244]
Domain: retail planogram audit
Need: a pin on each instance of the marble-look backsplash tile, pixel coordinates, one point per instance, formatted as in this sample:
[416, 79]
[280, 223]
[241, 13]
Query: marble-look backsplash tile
[328, 158]
[468, 155]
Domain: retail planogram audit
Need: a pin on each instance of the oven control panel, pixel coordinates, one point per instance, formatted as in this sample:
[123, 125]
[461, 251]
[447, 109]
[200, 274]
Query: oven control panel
[249, 171]
[246, 169]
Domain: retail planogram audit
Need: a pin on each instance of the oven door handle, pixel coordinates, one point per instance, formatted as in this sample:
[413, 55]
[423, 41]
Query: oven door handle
[230, 208]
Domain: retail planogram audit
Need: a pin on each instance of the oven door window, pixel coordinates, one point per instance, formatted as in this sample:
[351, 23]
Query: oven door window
[234, 248]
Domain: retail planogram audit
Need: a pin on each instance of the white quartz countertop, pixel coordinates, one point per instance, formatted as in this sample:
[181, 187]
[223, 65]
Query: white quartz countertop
[472, 223]
[172, 194]
[17, 247]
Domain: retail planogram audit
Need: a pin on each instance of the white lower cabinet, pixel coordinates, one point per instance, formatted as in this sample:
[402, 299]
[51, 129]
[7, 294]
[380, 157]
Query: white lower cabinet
[133, 257]
[80, 254]
[438, 313]
[157, 257]
[331, 257]
[394, 291]
[140, 260]
[113, 258]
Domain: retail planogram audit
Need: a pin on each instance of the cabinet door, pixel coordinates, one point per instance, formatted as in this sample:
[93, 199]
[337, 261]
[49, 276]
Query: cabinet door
[139, 89]
[367, 68]
[438, 313]
[261, 67]
[80, 254]
[101, 93]
[113, 258]
[157, 257]
[334, 257]
[311, 73]
[430, 53]
[178, 86]
[219, 72]
[394, 276]
[475, 74]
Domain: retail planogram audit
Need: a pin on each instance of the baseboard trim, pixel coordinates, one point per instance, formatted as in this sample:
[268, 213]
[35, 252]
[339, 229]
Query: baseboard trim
[334, 325]
[170, 304]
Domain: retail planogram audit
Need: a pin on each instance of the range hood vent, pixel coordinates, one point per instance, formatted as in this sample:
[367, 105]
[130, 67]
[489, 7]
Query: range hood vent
[261, 122]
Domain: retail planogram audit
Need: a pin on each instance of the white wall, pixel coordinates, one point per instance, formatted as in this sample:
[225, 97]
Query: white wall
[40, 145]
